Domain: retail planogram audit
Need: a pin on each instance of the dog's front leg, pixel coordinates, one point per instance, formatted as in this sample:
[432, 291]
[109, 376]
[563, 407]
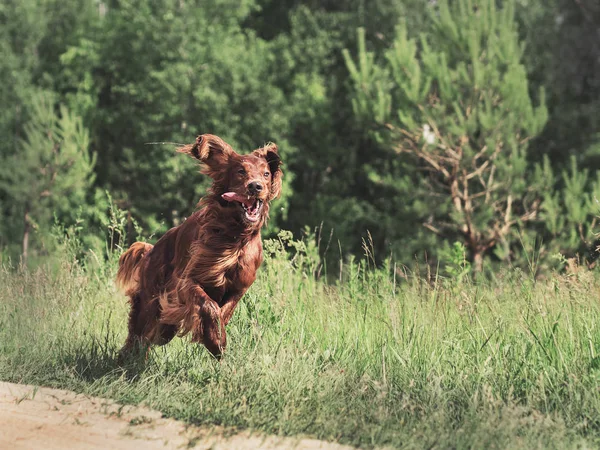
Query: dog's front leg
[210, 328]
[231, 301]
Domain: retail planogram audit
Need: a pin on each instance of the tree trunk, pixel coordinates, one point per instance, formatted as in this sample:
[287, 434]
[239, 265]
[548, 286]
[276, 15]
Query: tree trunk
[477, 262]
[26, 236]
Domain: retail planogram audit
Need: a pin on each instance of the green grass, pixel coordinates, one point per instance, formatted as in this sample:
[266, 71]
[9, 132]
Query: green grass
[372, 361]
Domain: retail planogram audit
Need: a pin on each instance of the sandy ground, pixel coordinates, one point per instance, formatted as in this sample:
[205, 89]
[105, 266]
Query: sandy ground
[43, 418]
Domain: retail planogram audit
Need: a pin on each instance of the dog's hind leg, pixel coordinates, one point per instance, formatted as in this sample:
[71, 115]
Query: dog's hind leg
[164, 334]
[144, 327]
[135, 343]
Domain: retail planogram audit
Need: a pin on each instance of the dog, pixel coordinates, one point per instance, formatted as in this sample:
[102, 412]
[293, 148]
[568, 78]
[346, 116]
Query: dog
[192, 279]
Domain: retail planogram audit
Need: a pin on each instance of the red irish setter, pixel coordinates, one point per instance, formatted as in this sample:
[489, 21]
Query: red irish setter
[192, 279]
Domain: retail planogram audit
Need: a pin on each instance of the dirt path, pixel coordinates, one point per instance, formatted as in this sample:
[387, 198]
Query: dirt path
[32, 418]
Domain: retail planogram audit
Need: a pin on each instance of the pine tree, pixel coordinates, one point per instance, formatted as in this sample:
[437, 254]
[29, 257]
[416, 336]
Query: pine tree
[455, 104]
[49, 172]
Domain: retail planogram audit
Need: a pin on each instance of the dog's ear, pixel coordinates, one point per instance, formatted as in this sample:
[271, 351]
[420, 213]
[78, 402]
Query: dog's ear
[271, 154]
[212, 151]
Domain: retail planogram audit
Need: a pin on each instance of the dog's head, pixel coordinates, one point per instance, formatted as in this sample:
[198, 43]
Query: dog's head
[246, 182]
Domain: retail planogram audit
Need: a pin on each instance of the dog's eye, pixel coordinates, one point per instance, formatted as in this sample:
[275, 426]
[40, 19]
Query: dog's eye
[242, 172]
[267, 174]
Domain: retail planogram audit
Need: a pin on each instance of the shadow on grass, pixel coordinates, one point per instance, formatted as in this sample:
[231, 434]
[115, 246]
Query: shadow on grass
[92, 361]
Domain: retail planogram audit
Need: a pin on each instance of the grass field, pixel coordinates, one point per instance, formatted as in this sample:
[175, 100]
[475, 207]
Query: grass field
[374, 360]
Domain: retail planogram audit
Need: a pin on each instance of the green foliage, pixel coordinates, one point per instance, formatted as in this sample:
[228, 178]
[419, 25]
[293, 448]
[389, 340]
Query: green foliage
[139, 72]
[456, 263]
[330, 190]
[50, 173]
[21, 29]
[560, 56]
[456, 104]
[569, 213]
[194, 72]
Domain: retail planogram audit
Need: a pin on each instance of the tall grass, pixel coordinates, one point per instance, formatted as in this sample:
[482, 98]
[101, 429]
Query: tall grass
[377, 358]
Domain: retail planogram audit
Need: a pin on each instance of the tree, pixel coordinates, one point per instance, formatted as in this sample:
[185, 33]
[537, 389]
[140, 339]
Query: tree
[22, 26]
[49, 172]
[456, 104]
[331, 188]
[562, 53]
[195, 71]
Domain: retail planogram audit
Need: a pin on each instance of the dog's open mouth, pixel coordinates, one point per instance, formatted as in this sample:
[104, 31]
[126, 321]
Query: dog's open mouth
[252, 206]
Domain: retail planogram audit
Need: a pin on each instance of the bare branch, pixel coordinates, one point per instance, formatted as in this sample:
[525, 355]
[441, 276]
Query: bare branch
[478, 171]
[432, 228]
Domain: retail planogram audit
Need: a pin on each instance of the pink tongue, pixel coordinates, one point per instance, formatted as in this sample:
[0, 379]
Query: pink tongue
[233, 197]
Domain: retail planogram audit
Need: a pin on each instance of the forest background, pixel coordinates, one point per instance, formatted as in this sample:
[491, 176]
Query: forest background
[427, 129]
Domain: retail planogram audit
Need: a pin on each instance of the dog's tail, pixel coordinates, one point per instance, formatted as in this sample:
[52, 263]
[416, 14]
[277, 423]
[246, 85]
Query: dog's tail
[128, 275]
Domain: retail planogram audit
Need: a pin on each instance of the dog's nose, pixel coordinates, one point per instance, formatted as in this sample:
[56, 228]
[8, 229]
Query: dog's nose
[255, 187]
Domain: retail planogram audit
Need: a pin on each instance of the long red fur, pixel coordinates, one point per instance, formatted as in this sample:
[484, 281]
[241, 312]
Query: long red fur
[191, 280]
